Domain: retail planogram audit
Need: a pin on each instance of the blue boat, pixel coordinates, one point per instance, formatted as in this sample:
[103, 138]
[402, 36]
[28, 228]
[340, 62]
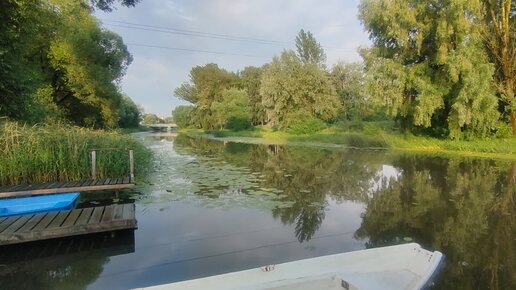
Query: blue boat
[35, 204]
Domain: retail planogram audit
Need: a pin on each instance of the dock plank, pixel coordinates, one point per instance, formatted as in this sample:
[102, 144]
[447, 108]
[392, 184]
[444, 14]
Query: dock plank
[17, 224]
[32, 222]
[96, 215]
[10, 220]
[49, 217]
[118, 212]
[72, 217]
[108, 214]
[26, 228]
[59, 219]
[128, 211]
[85, 216]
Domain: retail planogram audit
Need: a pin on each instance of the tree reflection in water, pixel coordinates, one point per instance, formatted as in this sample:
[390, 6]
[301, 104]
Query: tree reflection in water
[465, 208]
[460, 206]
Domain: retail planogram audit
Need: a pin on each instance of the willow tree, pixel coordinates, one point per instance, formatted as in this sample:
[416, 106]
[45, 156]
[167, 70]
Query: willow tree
[500, 39]
[290, 86]
[206, 87]
[428, 65]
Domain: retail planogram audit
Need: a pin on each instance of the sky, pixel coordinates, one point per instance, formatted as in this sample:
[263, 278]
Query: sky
[235, 34]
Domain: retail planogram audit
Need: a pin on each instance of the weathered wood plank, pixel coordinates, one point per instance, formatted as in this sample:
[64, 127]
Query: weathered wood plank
[17, 224]
[107, 181]
[113, 181]
[85, 216]
[72, 217]
[128, 211]
[108, 214]
[32, 222]
[49, 217]
[10, 220]
[44, 226]
[2, 219]
[126, 180]
[59, 219]
[50, 185]
[118, 211]
[96, 215]
[85, 182]
[17, 187]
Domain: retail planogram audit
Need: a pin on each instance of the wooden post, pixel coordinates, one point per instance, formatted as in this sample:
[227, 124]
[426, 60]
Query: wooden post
[131, 165]
[93, 164]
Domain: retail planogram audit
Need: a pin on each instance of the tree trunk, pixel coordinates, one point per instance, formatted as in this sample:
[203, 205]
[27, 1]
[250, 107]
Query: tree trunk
[512, 121]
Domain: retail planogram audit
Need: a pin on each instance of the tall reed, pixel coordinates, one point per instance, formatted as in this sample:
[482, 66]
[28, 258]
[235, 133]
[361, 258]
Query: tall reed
[44, 153]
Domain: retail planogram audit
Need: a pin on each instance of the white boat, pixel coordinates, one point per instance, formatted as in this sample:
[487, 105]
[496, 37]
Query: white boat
[406, 266]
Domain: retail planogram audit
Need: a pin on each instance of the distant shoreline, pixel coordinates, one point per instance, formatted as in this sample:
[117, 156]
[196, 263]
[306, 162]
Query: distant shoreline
[489, 148]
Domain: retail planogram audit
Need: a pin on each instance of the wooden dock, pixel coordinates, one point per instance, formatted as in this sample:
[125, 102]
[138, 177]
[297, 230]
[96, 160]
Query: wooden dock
[34, 227]
[51, 254]
[70, 186]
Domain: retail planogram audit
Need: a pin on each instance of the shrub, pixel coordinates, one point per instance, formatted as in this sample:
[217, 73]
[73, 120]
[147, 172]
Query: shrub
[238, 122]
[503, 130]
[307, 125]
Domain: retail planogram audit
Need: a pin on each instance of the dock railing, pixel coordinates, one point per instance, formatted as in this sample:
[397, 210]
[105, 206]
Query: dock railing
[93, 153]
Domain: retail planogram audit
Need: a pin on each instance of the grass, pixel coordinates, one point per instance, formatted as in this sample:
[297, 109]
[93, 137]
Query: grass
[376, 135]
[44, 153]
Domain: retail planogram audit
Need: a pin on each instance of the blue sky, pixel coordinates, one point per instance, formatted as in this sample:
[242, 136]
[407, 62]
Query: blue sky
[156, 72]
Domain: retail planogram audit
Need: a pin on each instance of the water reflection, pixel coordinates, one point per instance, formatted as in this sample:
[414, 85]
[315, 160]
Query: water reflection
[68, 263]
[304, 178]
[463, 207]
[212, 207]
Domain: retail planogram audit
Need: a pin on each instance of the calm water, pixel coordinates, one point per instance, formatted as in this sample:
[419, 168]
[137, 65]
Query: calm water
[211, 208]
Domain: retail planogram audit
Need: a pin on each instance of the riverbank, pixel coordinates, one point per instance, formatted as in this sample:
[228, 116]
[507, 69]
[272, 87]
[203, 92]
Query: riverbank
[45, 153]
[500, 148]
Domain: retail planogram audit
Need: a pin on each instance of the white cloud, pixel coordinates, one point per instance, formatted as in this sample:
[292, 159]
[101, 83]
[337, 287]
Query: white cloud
[155, 73]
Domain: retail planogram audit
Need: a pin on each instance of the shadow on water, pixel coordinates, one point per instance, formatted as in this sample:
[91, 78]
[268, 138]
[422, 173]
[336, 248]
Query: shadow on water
[67, 263]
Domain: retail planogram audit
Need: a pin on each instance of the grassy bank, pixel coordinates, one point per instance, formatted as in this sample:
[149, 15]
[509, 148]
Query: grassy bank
[30, 154]
[373, 137]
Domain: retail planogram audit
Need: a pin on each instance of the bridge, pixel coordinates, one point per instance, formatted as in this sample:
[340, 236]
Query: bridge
[161, 127]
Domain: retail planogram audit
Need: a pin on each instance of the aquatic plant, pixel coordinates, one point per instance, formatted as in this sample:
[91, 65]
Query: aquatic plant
[44, 153]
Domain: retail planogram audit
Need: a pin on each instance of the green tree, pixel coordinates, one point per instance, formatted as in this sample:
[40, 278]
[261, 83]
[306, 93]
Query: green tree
[428, 65]
[349, 81]
[289, 85]
[129, 115]
[107, 5]
[309, 50]
[56, 60]
[250, 81]
[182, 116]
[500, 39]
[204, 88]
[149, 119]
[232, 111]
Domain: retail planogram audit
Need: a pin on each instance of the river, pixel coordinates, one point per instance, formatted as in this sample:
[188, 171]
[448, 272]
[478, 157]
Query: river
[213, 207]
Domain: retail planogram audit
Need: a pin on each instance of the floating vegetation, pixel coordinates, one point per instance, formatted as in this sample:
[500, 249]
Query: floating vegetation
[212, 182]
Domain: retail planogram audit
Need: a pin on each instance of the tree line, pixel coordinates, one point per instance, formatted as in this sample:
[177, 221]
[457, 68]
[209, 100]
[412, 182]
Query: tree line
[57, 64]
[438, 68]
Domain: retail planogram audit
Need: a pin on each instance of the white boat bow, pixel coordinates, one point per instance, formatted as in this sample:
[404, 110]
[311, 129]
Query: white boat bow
[406, 266]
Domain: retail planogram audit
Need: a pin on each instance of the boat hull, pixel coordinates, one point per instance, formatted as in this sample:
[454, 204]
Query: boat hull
[406, 266]
[36, 204]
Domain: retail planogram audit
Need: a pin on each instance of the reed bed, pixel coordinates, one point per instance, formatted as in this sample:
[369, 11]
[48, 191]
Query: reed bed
[44, 153]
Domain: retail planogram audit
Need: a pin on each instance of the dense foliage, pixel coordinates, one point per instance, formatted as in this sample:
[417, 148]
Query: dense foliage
[291, 85]
[57, 152]
[58, 64]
